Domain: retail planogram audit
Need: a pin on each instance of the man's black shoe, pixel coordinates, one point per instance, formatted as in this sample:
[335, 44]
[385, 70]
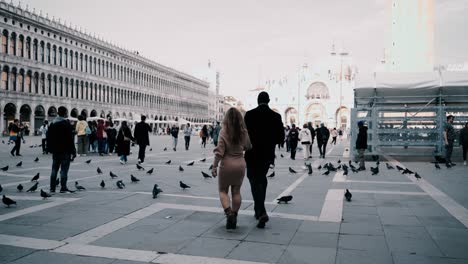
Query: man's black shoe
[262, 221]
[66, 191]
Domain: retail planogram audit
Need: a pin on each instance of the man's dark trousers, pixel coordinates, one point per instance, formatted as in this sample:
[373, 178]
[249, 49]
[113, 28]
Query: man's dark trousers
[293, 149]
[141, 153]
[324, 148]
[17, 147]
[61, 161]
[319, 145]
[187, 142]
[448, 151]
[258, 184]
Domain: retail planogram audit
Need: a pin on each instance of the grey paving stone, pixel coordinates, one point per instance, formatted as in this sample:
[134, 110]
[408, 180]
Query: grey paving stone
[323, 240]
[319, 227]
[375, 244]
[21, 204]
[277, 231]
[54, 233]
[359, 210]
[244, 225]
[410, 240]
[118, 261]
[308, 255]
[440, 221]
[348, 256]
[9, 253]
[209, 247]
[261, 252]
[452, 241]
[361, 219]
[361, 229]
[400, 220]
[415, 259]
[48, 257]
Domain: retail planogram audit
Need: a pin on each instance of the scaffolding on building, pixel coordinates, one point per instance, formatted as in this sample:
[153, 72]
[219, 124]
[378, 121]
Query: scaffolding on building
[406, 112]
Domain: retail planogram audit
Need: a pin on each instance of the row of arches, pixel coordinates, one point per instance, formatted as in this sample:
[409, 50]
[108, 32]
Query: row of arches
[27, 81]
[33, 117]
[67, 57]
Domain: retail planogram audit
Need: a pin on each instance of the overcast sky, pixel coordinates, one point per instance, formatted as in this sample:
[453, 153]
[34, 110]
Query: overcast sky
[248, 40]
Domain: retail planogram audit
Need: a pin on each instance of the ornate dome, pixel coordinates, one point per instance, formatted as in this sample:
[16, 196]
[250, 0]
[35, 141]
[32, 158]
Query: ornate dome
[317, 90]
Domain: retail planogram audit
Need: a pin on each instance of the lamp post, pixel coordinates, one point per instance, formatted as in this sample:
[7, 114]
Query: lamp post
[341, 55]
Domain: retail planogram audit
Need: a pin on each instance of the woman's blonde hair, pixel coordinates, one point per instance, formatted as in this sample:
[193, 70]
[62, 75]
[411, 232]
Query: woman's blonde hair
[234, 126]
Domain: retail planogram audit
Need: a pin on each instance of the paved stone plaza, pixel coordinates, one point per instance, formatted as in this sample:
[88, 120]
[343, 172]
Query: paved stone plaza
[393, 218]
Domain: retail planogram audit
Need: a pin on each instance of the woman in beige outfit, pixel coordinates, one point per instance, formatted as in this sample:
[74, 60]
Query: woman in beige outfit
[229, 155]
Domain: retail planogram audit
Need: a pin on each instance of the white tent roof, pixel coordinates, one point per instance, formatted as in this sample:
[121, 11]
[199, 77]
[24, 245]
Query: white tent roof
[412, 87]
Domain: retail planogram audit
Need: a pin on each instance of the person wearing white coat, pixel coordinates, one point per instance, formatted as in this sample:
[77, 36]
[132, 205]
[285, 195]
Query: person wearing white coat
[306, 139]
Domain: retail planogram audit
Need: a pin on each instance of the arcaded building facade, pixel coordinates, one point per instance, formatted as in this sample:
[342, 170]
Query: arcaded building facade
[45, 64]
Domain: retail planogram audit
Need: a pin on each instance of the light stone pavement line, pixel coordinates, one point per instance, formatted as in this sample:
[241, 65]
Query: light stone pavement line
[55, 246]
[184, 259]
[28, 242]
[241, 212]
[295, 183]
[379, 182]
[112, 226]
[107, 252]
[15, 183]
[6, 174]
[37, 198]
[176, 195]
[454, 208]
[33, 209]
[332, 209]
[389, 192]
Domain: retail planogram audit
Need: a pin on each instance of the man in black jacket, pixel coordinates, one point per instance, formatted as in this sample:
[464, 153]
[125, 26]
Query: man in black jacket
[312, 135]
[361, 144]
[325, 135]
[60, 142]
[265, 131]
[293, 139]
[141, 136]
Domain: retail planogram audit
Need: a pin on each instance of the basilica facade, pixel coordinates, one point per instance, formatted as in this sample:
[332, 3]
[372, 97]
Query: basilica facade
[45, 64]
[320, 93]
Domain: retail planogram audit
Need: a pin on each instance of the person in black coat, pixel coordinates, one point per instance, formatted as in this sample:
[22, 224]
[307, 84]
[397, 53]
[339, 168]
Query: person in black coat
[265, 131]
[318, 134]
[324, 136]
[293, 139]
[312, 135]
[111, 137]
[124, 138]
[61, 143]
[464, 141]
[142, 131]
[361, 144]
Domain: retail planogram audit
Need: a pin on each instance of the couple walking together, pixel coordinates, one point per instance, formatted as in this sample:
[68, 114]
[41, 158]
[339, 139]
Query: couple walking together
[258, 135]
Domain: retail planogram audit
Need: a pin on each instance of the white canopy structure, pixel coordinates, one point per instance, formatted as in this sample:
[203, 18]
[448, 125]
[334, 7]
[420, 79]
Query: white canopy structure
[411, 87]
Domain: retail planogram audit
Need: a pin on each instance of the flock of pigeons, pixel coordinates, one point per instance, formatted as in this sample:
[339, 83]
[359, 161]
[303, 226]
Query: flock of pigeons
[120, 184]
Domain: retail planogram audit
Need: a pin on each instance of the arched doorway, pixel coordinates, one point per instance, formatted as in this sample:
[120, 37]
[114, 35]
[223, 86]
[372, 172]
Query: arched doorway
[25, 118]
[84, 113]
[93, 113]
[39, 117]
[51, 113]
[9, 114]
[74, 113]
[291, 116]
[316, 114]
[342, 118]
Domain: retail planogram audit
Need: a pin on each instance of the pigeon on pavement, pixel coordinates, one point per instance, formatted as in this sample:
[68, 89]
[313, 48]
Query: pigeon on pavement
[437, 166]
[20, 187]
[180, 168]
[139, 167]
[285, 199]
[88, 161]
[112, 175]
[8, 201]
[203, 160]
[156, 191]
[291, 170]
[417, 176]
[79, 187]
[183, 185]
[4, 168]
[134, 179]
[19, 164]
[102, 184]
[168, 162]
[36, 177]
[120, 184]
[45, 195]
[150, 171]
[348, 195]
[37, 159]
[390, 167]
[205, 175]
[191, 163]
[33, 188]
[99, 171]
